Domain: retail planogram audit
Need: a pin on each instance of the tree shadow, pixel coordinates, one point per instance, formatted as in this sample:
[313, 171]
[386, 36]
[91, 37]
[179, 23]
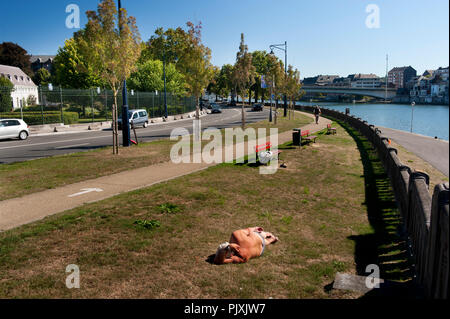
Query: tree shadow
[386, 246]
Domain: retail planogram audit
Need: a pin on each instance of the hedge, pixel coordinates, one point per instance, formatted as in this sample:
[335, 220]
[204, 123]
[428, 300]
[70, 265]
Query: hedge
[35, 118]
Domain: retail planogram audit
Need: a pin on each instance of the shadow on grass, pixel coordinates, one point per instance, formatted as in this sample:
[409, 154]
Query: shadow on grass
[386, 246]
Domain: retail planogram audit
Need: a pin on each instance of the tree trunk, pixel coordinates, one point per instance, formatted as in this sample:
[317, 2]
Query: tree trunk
[256, 93]
[115, 126]
[250, 96]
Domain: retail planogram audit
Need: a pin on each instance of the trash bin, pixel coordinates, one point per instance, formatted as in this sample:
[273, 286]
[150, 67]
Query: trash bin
[296, 137]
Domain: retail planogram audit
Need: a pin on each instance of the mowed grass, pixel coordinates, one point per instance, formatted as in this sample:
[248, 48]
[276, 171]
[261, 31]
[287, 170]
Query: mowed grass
[19, 179]
[155, 242]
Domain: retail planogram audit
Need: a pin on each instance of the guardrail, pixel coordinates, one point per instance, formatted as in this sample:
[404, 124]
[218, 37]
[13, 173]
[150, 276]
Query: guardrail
[426, 217]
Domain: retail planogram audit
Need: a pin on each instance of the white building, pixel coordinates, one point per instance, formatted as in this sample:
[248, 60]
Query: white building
[24, 88]
[365, 81]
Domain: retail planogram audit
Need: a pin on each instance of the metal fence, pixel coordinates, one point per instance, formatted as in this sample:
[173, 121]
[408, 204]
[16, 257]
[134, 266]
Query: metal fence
[96, 104]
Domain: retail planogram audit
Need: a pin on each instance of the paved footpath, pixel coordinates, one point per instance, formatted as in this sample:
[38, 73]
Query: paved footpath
[30, 208]
[435, 152]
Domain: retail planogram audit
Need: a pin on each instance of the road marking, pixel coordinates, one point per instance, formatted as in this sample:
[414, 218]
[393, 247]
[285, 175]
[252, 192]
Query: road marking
[56, 142]
[71, 146]
[86, 191]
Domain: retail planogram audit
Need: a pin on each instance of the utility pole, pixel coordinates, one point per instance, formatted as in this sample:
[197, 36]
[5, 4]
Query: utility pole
[125, 119]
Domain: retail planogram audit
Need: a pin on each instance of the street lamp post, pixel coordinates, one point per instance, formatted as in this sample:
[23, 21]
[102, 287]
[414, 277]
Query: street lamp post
[166, 113]
[412, 114]
[280, 47]
[126, 132]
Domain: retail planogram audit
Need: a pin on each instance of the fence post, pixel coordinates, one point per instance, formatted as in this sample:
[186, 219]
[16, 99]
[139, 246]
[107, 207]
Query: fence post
[92, 104]
[42, 101]
[62, 112]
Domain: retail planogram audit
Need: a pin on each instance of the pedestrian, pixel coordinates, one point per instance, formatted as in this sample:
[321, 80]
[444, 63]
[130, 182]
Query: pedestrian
[317, 112]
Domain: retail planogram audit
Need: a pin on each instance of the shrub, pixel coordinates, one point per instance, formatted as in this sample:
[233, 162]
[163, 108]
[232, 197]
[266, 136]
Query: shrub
[35, 118]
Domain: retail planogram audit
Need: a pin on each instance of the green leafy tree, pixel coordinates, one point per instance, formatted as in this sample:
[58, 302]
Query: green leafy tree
[276, 79]
[293, 88]
[149, 77]
[184, 49]
[71, 69]
[42, 77]
[6, 87]
[223, 84]
[111, 45]
[243, 73]
[14, 55]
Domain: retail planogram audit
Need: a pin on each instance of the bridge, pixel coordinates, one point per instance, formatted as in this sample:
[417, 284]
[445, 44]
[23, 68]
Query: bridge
[374, 92]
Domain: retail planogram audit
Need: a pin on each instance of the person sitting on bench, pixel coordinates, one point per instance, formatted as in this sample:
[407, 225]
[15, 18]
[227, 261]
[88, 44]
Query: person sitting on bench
[244, 245]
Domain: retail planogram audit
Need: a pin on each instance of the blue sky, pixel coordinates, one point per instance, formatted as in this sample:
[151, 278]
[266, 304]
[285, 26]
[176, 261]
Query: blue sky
[324, 36]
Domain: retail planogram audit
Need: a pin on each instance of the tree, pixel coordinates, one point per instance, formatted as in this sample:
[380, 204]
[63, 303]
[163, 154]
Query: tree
[243, 73]
[276, 79]
[190, 56]
[6, 87]
[14, 55]
[293, 88]
[149, 77]
[42, 77]
[261, 62]
[71, 69]
[111, 46]
[223, 84]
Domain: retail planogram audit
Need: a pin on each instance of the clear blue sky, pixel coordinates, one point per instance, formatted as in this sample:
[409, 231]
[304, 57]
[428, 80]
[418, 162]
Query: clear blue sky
[324, 36]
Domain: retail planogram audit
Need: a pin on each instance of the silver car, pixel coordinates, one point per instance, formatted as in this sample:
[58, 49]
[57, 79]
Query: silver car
[137, 117]
[13, 128]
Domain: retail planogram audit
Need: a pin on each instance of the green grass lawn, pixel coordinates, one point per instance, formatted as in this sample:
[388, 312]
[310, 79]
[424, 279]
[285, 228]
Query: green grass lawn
[331, 208]
[24, 178]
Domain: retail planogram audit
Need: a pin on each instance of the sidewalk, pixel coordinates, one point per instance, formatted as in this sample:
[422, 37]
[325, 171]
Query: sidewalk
[435, 152]
[19, 211]
[54, 129]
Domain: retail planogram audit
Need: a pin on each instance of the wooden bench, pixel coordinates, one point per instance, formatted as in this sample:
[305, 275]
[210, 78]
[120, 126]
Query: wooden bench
[307, 137]
[331, 130]
[265, 147]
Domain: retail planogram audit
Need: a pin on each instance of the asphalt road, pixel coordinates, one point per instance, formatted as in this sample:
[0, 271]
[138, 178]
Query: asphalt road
[45, 146]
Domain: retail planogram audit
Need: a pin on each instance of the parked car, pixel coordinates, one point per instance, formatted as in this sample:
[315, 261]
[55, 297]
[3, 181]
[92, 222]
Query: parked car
[257, 108]
[215, 108]
[13, 128]
[137, 117]
[205, 103]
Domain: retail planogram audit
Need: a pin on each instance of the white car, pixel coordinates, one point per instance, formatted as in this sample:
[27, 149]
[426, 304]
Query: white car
[13, 128]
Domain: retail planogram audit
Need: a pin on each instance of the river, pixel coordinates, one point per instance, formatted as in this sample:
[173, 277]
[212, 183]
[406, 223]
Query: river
[429, 120]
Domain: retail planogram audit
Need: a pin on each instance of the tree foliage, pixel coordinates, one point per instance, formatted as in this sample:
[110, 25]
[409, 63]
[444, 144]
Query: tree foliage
[14, 55]
[110, 44]
[42, 77]
[71, 69]
[149, 77]
[6, 87]
[244, 72]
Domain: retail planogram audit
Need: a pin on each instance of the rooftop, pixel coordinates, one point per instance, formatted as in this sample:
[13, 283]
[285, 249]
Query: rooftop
[16, 75]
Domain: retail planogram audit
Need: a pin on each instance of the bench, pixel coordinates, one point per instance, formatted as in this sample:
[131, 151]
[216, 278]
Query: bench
[265, 147]
[307, 137]
[331, 130]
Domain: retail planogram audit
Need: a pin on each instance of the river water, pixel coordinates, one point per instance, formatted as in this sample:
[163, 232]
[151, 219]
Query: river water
[429, 120]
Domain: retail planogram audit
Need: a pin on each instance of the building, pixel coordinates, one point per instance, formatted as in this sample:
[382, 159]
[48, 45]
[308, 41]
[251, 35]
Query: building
[443, 73]
[399, 76]
[42, 62]
[326, 79]
[25, 91]
[320, 80]
[365, 81]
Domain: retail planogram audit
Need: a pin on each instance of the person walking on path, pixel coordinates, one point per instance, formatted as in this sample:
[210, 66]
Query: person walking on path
[317, 112]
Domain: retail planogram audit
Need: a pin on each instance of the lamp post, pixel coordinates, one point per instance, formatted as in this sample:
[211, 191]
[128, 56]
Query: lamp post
[125, 119]
[412, 114]
[280, 47]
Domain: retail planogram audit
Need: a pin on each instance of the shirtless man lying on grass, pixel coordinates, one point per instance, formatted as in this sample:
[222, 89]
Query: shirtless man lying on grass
[244, 244]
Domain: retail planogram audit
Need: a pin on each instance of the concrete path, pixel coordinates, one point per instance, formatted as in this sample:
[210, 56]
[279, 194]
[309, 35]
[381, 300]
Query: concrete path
[435, 152]
[19, 211]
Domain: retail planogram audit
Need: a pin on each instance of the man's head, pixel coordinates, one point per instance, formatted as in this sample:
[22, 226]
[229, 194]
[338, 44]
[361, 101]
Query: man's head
[269, 238]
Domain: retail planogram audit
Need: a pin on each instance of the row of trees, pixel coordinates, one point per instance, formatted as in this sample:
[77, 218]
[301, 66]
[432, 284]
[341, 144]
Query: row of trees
[246, 75]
